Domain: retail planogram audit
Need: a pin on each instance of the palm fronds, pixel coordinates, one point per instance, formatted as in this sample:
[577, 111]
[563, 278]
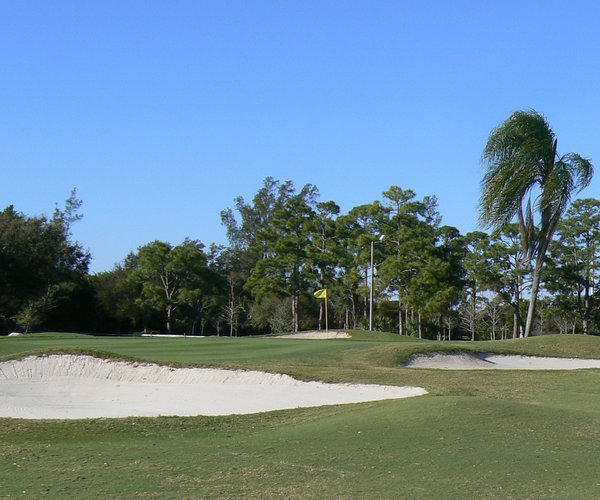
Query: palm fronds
[521, 161]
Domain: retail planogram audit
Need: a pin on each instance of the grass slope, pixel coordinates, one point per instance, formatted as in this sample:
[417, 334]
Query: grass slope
[478, 435]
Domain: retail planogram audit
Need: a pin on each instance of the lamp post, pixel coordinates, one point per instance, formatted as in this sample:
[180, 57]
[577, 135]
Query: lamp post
[381, 238]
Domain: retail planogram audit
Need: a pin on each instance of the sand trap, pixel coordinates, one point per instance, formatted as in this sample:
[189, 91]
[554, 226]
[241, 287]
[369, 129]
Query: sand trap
[315, 335]
[69, 386]
[486, 361]
[173, 335]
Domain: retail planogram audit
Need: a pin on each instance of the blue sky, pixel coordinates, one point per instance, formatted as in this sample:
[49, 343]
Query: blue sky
[161, 113]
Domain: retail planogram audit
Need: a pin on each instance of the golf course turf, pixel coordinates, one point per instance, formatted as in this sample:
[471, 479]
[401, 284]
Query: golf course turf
[484, 434]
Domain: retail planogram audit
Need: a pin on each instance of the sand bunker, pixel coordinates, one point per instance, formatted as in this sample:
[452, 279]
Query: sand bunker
[486, 361]
[173, 335]
[69, 386]
[315, 335]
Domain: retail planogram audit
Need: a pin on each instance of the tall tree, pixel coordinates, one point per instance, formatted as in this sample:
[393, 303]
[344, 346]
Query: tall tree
[285, 268]
[349, 278]
[231, 310]
[115, 294]
[249, 230]
[358, 229]
[169, 275]
[324, 249]
[509, 271]
[41, 267]
[477, 277]
[575, 258]
[407, 244]
[423, 261]
[436, 287]
[522, 162]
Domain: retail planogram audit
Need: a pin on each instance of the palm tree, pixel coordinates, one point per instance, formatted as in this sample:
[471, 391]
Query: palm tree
[522, 163]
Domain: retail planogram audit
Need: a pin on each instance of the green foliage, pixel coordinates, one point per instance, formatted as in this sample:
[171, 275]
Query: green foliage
[422, 262]
[116, 293]
[521, 156]
[572, 274]
[274, 313]
[31, 315]
[285, 243]
[285, 268]
[37, 254]
[159, 280]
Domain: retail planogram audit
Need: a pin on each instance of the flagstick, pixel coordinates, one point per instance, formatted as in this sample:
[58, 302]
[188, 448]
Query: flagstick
[326, 325]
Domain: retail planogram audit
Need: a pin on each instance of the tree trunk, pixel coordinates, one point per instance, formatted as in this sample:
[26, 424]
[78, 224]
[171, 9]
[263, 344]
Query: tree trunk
[535, 286]
[537, 278]
[517, 312]
[294, 314]
[400, 326]
[320, 314]
[297, 313]
[473, 314]
[169, 312]
[420, 332]
[585, 323]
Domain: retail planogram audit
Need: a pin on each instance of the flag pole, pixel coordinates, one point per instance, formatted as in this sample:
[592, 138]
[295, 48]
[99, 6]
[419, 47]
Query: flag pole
[322, 294]
[326, 325]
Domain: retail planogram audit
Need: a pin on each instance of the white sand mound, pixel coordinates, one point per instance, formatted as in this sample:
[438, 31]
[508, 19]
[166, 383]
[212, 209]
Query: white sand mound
[68, 386]
[315, 335]
[486, 361]
[173, 335]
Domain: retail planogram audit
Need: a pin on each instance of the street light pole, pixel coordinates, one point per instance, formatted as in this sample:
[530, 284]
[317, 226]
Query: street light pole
[371, 291]
[381, 238]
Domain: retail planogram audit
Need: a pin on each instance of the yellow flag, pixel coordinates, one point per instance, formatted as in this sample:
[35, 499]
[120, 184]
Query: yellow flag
[321, 294]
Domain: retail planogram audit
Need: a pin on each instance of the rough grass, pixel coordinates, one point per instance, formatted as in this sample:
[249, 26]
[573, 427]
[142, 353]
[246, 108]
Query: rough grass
[484, 434]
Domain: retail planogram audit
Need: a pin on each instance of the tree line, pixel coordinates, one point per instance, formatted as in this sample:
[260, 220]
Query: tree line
[426, 279]
[429, 280]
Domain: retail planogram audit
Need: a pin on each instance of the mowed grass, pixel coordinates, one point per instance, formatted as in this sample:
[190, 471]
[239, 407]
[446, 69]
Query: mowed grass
[504, 434]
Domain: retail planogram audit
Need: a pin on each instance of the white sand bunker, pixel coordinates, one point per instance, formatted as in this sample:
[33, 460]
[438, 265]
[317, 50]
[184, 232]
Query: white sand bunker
[68, 386]
[315, 335]
[486, 361]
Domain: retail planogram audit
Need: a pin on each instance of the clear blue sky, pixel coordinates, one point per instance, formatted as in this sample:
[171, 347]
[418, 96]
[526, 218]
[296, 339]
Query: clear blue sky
[160, 113]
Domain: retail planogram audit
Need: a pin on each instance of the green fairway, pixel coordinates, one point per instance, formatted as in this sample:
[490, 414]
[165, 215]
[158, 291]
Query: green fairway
[484, 434]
